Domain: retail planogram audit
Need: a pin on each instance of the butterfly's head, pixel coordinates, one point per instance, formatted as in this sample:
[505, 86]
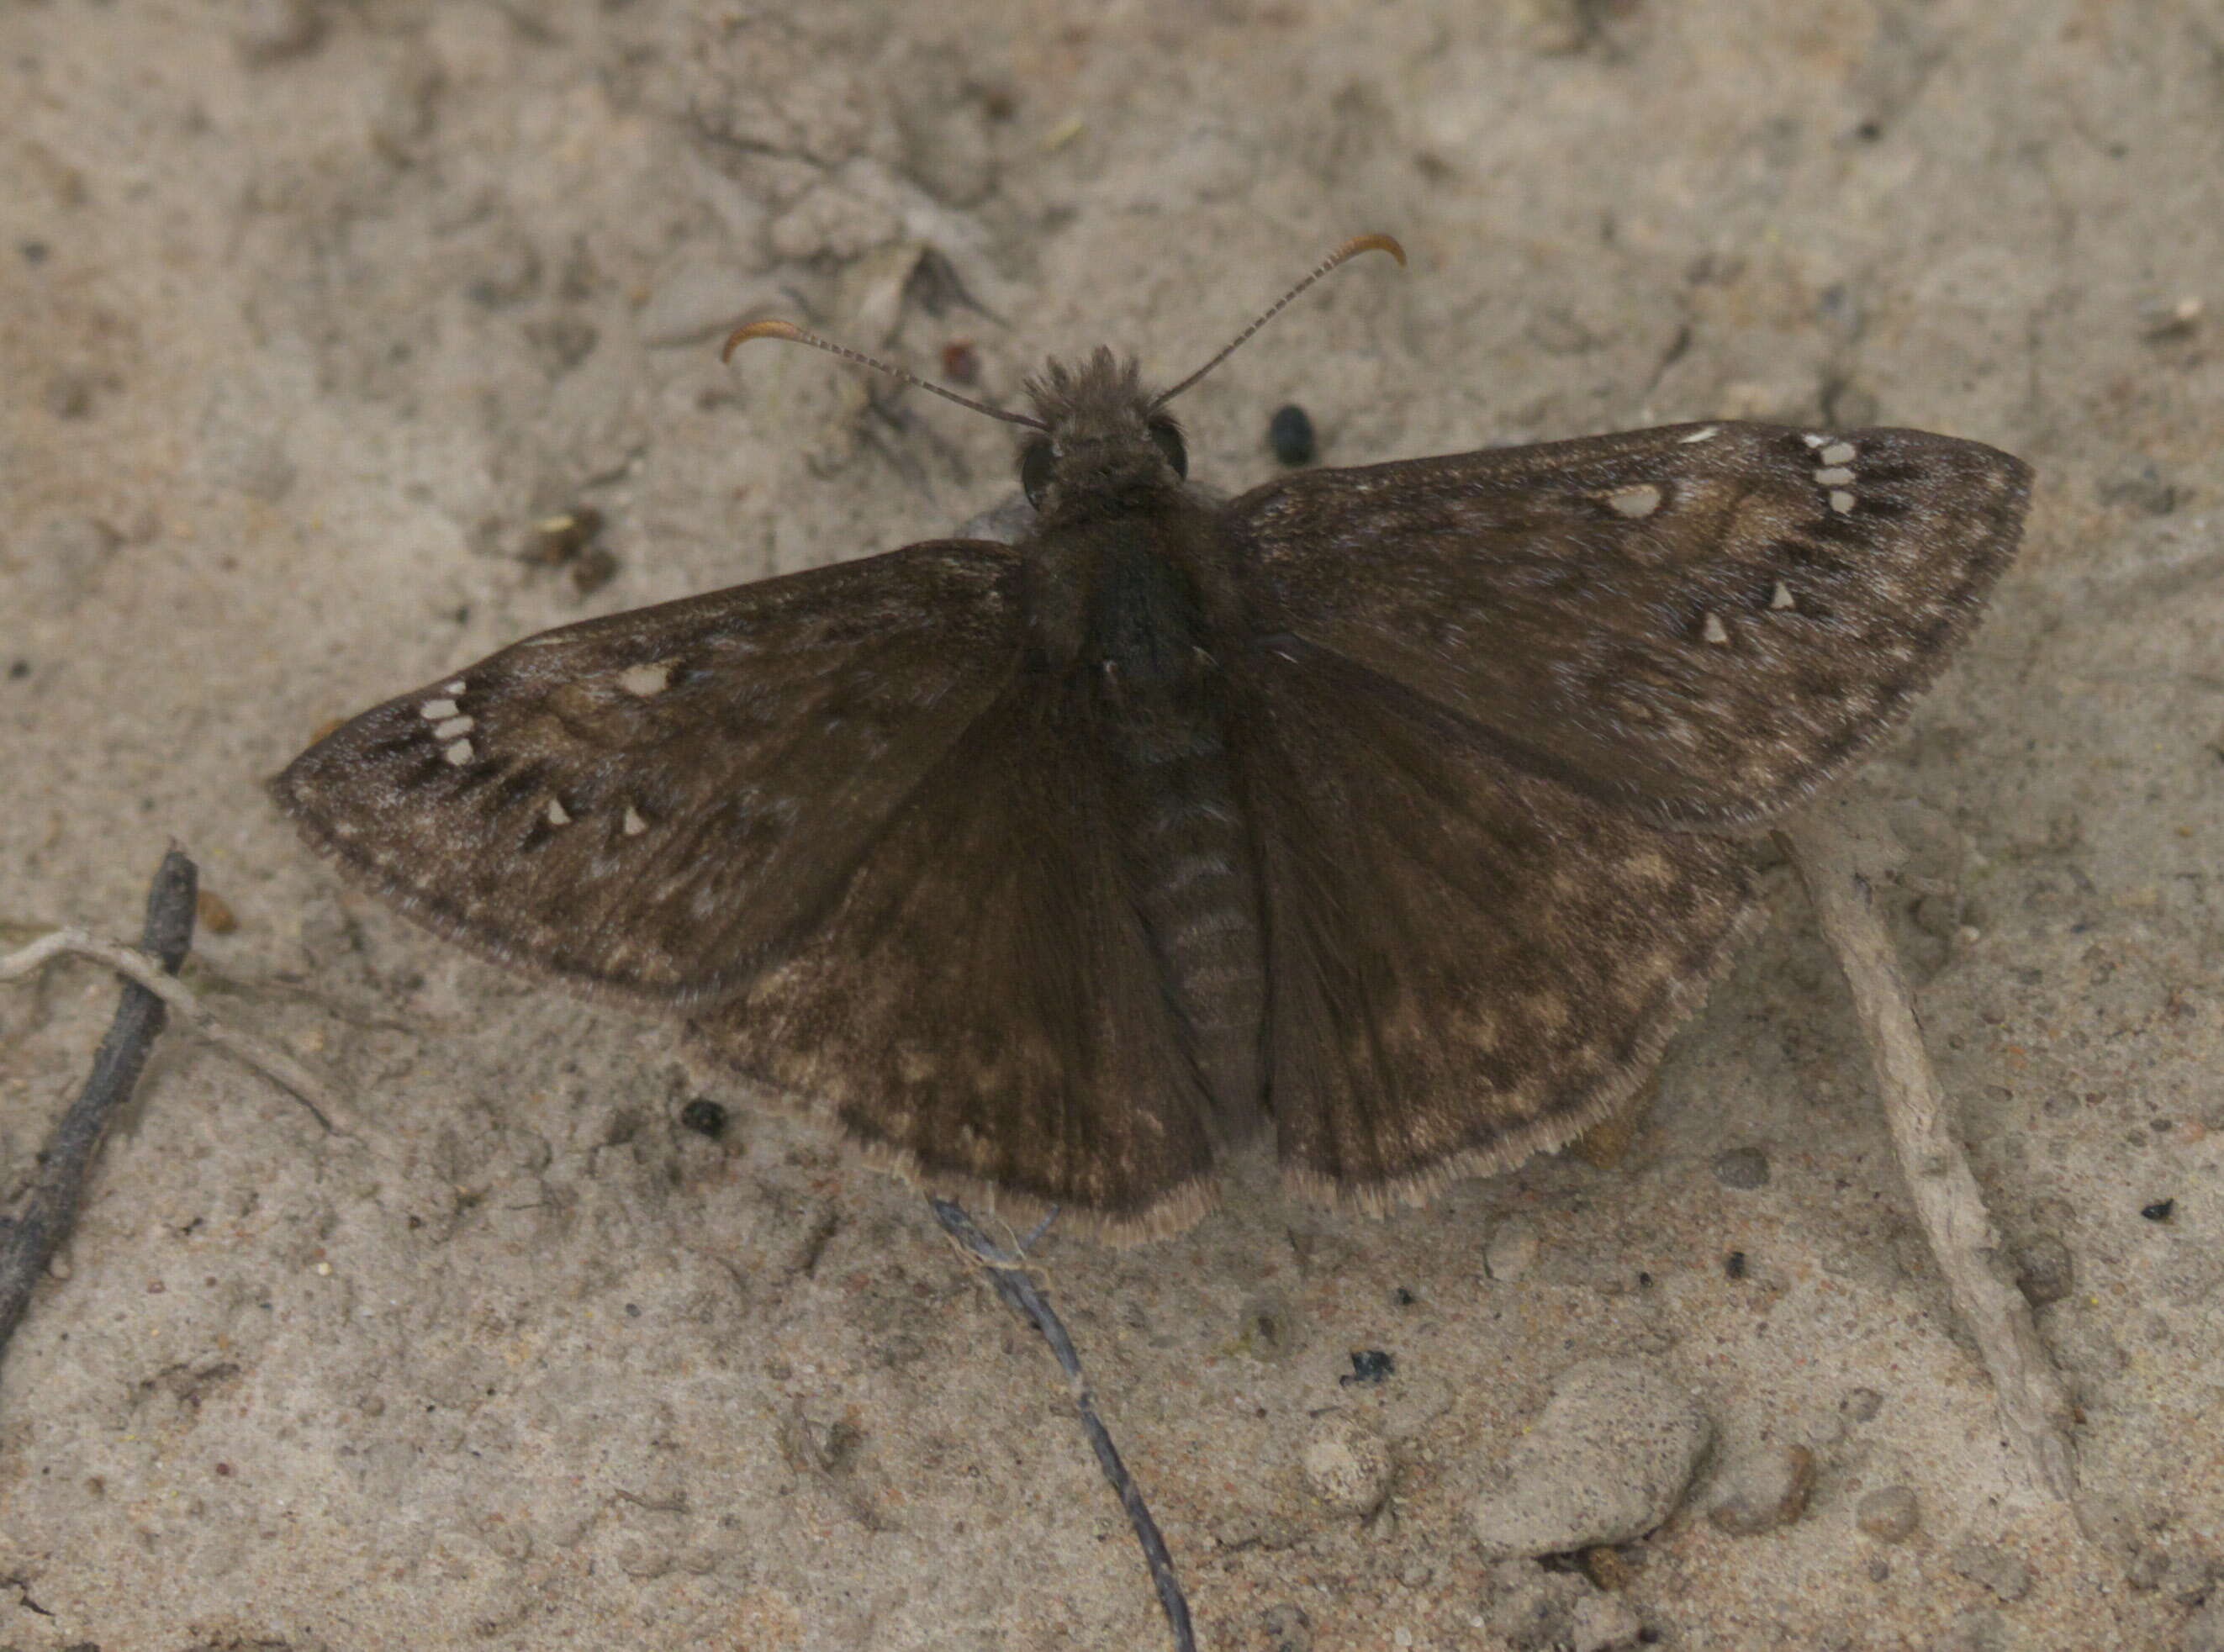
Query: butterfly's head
[1097, 442]
[1103, 437]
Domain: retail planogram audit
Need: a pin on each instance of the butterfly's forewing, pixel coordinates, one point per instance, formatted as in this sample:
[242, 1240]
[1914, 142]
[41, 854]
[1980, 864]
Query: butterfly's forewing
[1701, 622]
[1469, 961]
[982, 1006]
[651, 802]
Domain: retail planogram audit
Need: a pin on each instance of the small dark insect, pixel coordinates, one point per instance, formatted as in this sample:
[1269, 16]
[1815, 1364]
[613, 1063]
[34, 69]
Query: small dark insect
[1290, 434]
[704, 1117]
[1370, 1365]
[2159, 1211]
[1734, 1265]
[1390, 809]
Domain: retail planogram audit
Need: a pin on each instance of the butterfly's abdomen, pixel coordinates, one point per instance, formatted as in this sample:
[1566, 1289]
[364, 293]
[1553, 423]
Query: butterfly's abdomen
[1185, 839]
[1195, 888]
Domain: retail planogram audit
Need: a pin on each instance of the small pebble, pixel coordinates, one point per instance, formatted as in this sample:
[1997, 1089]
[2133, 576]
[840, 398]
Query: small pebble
[1290, 433]
[2044, 1272]
[215, 916]
[1979, 1628]
[1370, 1366]
[704, 1117]
[1347, 1463]
[1603, 1624]
[1889, 1514]
[1606, 1461]
[1533, 1610]
[1268, 1332]
[2190, 1580]
[1285, 1628]
[1511, 1249]
[1764, 1490]
[1742, 1168]
[1609, 1568]
[1996, 1568]
[270, 31]
[2204, 1630]
[1861, 1404]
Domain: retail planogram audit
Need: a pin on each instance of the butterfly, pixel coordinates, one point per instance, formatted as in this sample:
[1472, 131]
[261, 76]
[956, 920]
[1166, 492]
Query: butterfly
[1394, 810]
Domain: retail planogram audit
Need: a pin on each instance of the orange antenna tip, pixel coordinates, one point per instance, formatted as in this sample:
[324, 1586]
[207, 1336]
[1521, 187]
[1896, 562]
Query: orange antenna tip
[1359, 243]
[787, 330]
[1343, 254]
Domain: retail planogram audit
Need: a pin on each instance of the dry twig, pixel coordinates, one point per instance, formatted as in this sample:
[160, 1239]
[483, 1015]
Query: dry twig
[147, 974]
[30, 1240]
[1006, 1271]
[1829, 846]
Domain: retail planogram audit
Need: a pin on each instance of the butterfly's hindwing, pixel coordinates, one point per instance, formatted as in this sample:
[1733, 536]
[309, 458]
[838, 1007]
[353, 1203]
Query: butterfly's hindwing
[1702, 622]
[1469, 962]
[983, 1006]
[651, 802]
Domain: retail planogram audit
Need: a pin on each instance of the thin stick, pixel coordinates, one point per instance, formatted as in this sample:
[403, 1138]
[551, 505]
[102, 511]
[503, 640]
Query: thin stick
[1007, 1273]
[1824, 844]
[29, 1243]
[147, 975]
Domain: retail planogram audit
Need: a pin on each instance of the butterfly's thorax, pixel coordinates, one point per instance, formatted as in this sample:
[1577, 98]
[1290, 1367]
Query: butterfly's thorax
[1127, 610]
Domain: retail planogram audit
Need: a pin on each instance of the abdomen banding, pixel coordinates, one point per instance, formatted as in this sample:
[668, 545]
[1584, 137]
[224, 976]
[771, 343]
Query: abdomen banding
[1144, 645]
[1189, 856]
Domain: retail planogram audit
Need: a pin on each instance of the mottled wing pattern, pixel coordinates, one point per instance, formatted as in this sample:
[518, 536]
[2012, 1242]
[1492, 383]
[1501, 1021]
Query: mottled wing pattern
[651, 802]
[1702, 622]
[983, 1007]
[1469, 963]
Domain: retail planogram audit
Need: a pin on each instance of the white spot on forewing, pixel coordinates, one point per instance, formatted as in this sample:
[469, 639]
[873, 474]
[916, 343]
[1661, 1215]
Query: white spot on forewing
[433, 710]
[635, 825]
[1840, 500]
[1704, 433]
[557, 817]
[459, 753]
[1837, 453]
[1837, 474]
[453, 727]
[1640, 500]
[645, 680]
[1780, 598]
[1713, 630]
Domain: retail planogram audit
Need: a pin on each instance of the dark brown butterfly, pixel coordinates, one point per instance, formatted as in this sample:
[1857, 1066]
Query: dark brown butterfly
[1388, 808]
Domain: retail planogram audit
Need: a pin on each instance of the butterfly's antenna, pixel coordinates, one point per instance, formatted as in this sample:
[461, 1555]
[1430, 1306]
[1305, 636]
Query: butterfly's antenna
[1349, 250]
[795, 335]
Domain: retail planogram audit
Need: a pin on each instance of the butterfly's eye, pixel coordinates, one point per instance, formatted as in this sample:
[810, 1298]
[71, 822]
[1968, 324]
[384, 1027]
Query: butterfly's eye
[1167, 434]
[1037, 463]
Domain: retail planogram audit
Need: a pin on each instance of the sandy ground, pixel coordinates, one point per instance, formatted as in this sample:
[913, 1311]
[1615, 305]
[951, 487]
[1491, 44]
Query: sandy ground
[308, 312]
